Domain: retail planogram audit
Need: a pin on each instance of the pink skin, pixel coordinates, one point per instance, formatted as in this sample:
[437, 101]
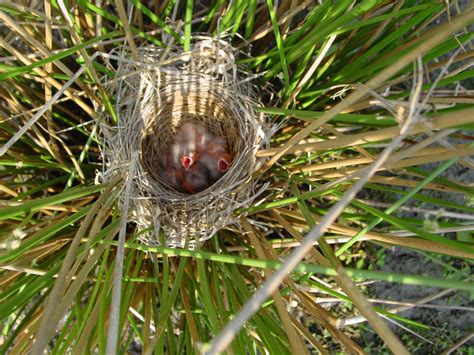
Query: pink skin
[212, 165]
[190, 138]
[172, 171]
[196, 159]
[195, 179]
[216, 158]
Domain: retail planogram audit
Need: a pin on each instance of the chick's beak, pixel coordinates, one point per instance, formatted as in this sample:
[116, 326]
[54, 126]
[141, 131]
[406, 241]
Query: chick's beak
[222, 165]
[186, 162]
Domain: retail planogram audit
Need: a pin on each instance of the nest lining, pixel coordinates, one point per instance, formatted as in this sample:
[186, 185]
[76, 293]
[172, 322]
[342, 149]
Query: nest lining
[205, 104]
[154, 98]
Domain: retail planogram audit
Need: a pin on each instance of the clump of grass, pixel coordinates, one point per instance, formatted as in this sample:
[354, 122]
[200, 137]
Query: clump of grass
[364, 94]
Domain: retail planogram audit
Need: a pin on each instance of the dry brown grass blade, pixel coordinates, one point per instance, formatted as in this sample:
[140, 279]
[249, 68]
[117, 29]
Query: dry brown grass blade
[367, 310]
[425, 245]
[84, 54]
[358, 319]
[415, 243]
[15, 106]
[91, 323]
[338, 134]
[56, 153]
[291, 243]
[298, 219]
[309, 74]
[28, 112]
[450, 100]
[37, 45]
[6, 279]
[43, 250]
[345, 172]
[379, 29]
[315, 254]
[128, 31]
[404, 307]
[10, 277]
[431, 158]
[325, 318]
[285, 28]
[8, 191]
[343, 162]
[362, 305]
[409, 242]
[99, 221]
[67, 299]
[447, 120]
[189, 317]
[296, 343]
[422, 36]
[267, 28]
[43, 142]
[24, 340]
[441, 33]
[48, 68]
[348, 166]
[114, 314]
[415, 149]
[458, 344]
[52, 311]
[69, 92]
[309, 337]
[430, 68]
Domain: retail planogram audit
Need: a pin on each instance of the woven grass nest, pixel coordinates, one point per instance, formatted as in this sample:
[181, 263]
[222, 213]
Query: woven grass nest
[154, 97]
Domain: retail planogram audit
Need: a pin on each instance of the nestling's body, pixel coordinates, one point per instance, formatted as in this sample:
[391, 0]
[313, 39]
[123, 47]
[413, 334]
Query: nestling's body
[196, 159]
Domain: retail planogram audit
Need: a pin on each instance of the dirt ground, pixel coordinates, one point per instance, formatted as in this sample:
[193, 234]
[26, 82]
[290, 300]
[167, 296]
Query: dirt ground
[449, 323]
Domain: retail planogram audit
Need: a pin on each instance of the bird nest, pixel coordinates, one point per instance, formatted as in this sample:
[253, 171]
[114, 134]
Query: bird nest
[154, 97]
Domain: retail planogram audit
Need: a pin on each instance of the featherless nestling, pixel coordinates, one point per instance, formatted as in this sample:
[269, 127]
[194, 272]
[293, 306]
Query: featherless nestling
[196, 159]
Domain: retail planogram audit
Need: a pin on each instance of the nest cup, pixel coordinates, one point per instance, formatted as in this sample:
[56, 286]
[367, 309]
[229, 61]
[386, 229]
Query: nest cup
[200, 101]
[153, 99]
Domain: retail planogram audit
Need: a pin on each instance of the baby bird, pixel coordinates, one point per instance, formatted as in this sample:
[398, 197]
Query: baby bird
[190, 140]
[196, 159]
[216, 157]
[172, 171]
[196, 179]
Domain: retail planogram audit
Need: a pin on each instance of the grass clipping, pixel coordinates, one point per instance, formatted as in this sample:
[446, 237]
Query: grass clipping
[153, 98]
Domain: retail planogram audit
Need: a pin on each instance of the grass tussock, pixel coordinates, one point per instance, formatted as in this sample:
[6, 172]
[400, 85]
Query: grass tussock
[373, 104]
